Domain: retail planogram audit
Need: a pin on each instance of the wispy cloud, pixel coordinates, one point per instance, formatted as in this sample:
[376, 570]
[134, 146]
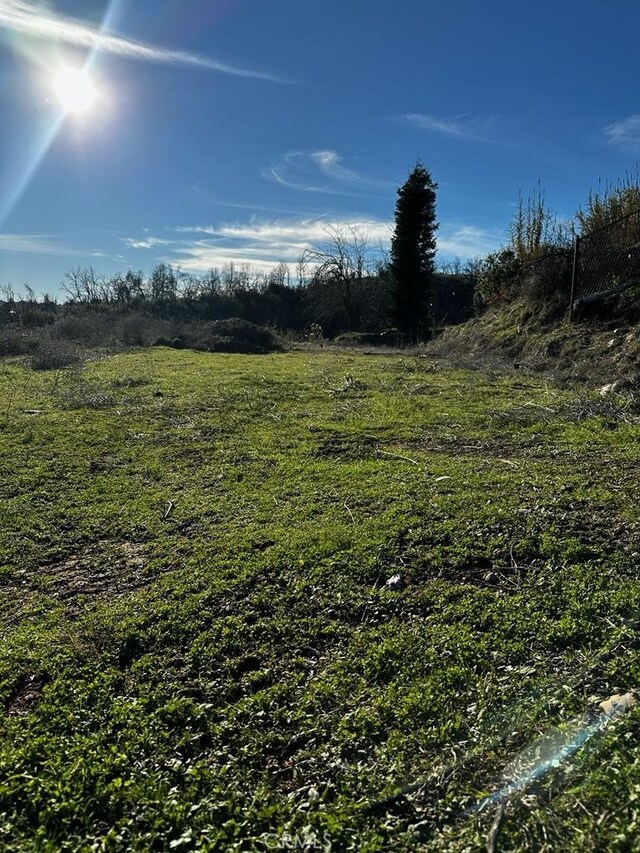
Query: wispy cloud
[37, 244]
[254, 208]
[323, 171]
[467, 241]
[31, 19]
[479, 128]
[624, 133]
[261, 244]
[301, 232]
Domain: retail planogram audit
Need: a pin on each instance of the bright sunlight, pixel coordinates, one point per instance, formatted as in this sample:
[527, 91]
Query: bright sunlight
[75, 90]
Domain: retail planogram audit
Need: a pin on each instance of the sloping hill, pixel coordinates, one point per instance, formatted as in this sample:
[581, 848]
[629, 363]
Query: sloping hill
[520, 336]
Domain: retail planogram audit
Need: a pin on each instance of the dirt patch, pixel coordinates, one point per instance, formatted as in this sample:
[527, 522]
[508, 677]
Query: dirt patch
[96, 574]
[495, 448]
[16, 599]
[102, 571]
[26, 695]
[345, 447]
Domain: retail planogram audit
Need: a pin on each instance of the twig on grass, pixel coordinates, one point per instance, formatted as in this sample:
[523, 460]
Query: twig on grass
[9, 404]
[396, 456]
[492, 838]
[508, 462]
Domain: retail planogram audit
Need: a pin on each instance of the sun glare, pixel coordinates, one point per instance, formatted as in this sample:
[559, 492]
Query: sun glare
[75, 90]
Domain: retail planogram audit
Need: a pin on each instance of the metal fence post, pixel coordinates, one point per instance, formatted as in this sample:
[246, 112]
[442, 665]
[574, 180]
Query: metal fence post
[574, 274]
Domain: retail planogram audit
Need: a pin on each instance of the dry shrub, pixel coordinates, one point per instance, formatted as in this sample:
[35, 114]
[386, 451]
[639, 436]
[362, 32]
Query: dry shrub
[54, 354]
[17, 341]
[236, 335]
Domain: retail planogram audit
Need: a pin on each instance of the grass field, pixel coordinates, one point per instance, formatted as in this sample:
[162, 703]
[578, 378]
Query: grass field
[199, 649]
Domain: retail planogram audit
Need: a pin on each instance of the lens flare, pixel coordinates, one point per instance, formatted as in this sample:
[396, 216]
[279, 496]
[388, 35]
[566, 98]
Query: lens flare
[75, 90]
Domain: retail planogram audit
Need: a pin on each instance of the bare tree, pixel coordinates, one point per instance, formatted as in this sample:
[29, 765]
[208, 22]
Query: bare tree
[280, 276]
[191, 287]
[342, 263]
[210, 283]
[8, 293]
[83, 284]
[163, 282]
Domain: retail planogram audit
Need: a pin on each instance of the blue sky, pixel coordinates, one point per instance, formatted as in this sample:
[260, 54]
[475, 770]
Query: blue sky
[236, 130]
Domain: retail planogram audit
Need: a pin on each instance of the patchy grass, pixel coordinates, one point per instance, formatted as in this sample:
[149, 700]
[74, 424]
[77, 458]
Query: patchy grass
[198, 646]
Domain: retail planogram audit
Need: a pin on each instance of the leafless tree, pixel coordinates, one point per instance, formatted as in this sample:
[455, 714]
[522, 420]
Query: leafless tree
[83, 284]
[8, 293]
[343, 263]
[280, 276]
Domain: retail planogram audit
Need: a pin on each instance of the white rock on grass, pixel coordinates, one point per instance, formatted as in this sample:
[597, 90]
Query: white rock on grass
[622, 384]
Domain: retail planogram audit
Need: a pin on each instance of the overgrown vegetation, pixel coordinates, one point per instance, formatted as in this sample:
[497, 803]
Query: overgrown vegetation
[535, 231]
[346, 285]
[609, 203]
[538, 265]
[345, 295]
[200, 649]
[233, 335]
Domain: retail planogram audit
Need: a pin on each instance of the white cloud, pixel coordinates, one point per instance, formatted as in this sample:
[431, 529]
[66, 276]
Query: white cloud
[624, 133]
[26, 17]
[200, 258]
[147, 243]
[263, 244]
[323, 171]
[254, 208]
[301, 232]
[266, 243]
[461, 127]
[327, 160]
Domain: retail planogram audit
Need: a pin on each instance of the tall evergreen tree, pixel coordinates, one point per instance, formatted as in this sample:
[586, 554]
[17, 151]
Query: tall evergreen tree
[413, 249]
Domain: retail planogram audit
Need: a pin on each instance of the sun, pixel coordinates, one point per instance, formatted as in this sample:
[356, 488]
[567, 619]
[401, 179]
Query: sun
[75, 90]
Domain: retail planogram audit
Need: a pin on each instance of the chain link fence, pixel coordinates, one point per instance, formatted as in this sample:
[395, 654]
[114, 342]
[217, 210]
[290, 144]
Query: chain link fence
[606, 262]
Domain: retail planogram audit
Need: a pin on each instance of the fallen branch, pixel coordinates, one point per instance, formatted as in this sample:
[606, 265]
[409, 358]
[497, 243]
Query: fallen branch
[598, 297]
[492, 838]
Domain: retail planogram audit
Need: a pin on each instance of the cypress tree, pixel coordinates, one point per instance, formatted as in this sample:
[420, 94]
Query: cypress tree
[413, 249]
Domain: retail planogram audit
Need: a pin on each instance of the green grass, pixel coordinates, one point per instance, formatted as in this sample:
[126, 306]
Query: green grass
[198, 648]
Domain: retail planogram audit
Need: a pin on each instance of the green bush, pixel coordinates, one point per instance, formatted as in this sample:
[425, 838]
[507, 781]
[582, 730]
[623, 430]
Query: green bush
[535, 230]
[498, 279]
[177, 342]
[548, 278]
[132, 331]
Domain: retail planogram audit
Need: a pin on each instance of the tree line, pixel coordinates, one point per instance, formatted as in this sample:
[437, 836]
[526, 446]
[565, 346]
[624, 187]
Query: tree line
[346, 284]
[343, 284]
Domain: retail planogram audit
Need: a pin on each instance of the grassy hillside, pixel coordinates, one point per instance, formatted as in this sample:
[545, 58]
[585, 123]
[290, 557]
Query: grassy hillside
[519, 333]
[200, 649]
